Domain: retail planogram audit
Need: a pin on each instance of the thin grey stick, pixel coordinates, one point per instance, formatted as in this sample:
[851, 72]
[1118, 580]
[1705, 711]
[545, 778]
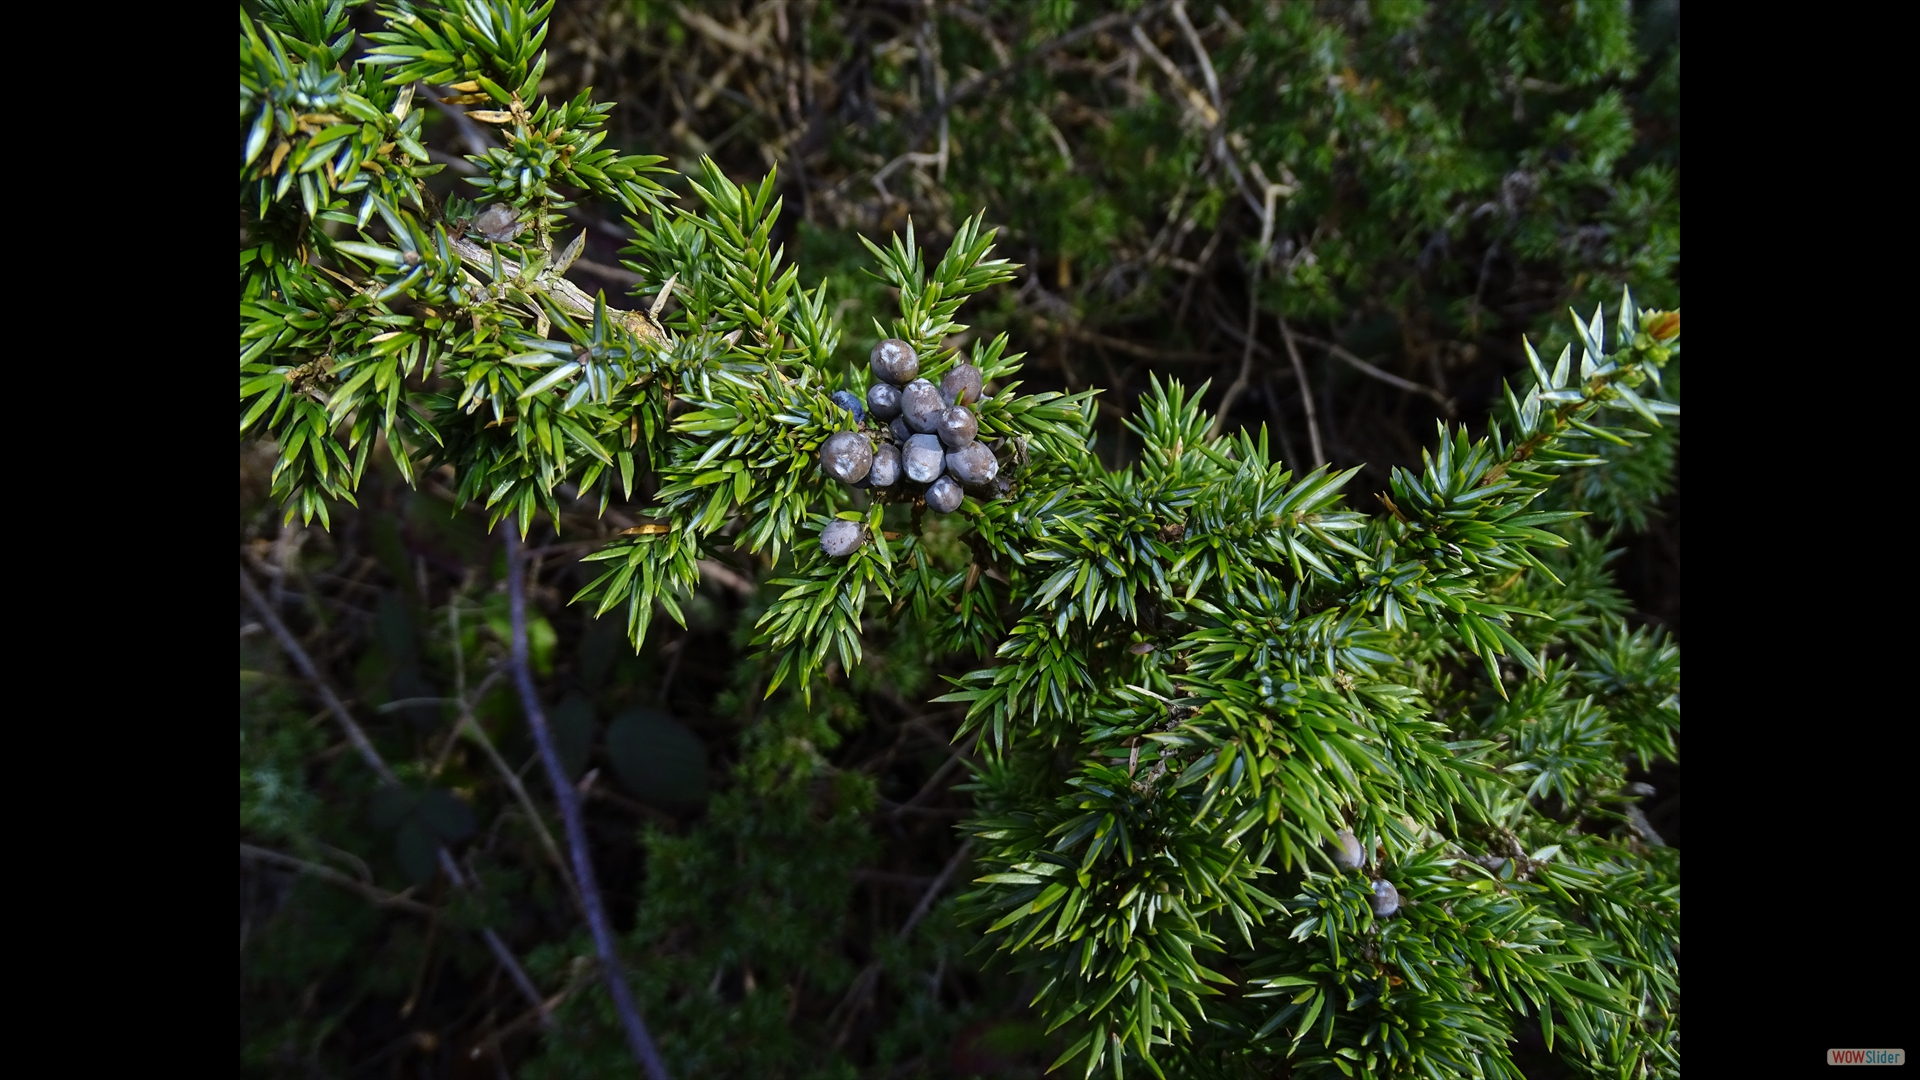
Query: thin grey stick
[469, 728]
[520, 1023]
[933, 782]
[291, 645]
[1346, 357]
[939, 886]
[1199, 50]
[568, 797]
[472, 730]
[1203, 111]
[1387, 377]
[1306, 390]
[930, 119]
[1253, 277]
[334, 877]
[1239, 385]
[855, 1002]
[378, 764]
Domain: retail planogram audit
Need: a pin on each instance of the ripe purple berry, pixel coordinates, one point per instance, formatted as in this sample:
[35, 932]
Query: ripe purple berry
[847, 457]
[901, 432]
[849, 401]
[895, 361]
[1347, 855]
[1386, 899]
[884, 400]
[920, 406]
[842, 538]
[957, 427]
[973, 465]
[922, 458]
[886, 466]
[961, 385]
[943, 495]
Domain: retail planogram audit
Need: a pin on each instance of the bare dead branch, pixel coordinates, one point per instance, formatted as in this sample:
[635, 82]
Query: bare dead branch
[358, 737]
[722, 574]
[1206, 62]
[1449, 404]
[1253, 289]
[861, 992]
[1306, 390]
[638, 1039]
[1144, 352]
[399, 901]
[974, 84]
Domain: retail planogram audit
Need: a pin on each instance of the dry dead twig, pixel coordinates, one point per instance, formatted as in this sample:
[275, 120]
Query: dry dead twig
[357, 736]
[401, 901]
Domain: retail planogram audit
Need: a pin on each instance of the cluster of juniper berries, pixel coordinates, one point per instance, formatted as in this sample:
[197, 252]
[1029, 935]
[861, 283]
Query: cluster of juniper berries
[927, 448]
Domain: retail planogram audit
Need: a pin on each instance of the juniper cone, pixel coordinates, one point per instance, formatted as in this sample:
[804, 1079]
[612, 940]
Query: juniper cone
[961, 385]
[497, 224]
[886, 466]
[922, 458]
[901, 432]
[842, 538]
[895, 361]
[847, 457]
[884, 400]
[973, 464]
[920, 406]
[849, 401]
[1386, 899]
[958, 427]
[1347, 856]
[944, 495]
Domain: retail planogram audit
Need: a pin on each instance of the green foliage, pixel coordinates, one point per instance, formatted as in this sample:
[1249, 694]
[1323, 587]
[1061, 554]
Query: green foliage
[334, 350]
[1193, 669]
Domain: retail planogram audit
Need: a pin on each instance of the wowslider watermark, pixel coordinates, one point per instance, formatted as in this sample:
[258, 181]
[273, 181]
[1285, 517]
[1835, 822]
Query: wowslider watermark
[1866, 1057]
